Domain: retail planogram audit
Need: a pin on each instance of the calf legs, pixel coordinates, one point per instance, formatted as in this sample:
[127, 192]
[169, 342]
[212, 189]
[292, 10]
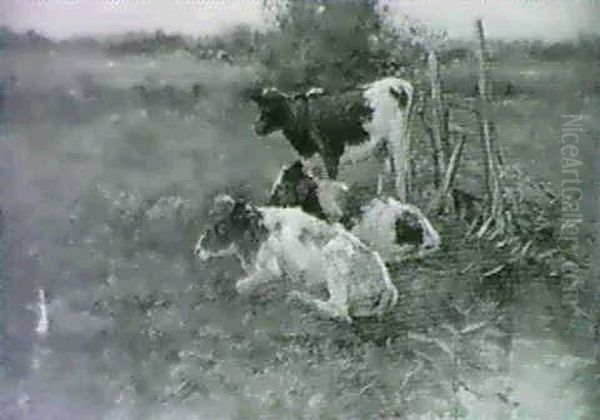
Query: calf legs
[385, 178]
[336, 275]
[266, 270]
[387, 167]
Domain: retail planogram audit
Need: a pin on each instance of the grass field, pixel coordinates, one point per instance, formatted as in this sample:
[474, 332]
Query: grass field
[141, 330]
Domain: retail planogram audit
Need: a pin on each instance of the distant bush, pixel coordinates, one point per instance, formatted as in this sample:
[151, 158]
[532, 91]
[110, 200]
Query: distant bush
[157, 42]
[585, 47]
[28, 40]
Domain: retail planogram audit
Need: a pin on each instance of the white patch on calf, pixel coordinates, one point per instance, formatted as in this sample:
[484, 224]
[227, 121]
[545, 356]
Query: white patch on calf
[332, 195]
[289, 247]
[204, 255]
[304, 254]
[389, 121]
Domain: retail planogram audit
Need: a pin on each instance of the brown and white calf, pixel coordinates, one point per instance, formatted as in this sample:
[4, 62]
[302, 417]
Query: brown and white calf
[345, 127]
[395, 230]
[320, 265]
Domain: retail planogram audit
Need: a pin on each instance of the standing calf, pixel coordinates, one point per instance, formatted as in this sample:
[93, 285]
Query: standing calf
[346, 127]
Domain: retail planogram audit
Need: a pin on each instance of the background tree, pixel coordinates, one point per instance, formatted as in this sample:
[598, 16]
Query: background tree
[331, 44]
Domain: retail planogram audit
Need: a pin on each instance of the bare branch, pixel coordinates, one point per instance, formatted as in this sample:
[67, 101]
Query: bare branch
[437, 113]
[437, 170]
[453, 165]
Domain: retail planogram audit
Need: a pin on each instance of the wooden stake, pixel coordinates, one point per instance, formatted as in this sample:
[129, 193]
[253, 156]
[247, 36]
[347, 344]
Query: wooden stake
[442, 145]
[440, 202]
[435, 154]
[446, 127]
[496, 145]
[489, 164]
[453, 165]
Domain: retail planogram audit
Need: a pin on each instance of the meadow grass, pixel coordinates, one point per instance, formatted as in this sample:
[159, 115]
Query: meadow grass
[144, 331]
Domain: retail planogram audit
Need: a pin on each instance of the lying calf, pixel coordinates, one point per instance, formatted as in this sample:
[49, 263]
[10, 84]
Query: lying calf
[396, 229]
[391, 228]
[296, 187]
[303, 255]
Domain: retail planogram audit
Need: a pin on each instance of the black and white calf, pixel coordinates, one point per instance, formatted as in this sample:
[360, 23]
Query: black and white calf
[391, 228]
[301, 254]
[296, 187]
[396, 230]
[346, 127]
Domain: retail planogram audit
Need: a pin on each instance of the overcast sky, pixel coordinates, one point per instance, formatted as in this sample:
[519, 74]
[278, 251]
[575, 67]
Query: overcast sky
[508, 19]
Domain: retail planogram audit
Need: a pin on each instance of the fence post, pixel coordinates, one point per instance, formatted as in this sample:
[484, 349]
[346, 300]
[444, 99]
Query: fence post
[490, 164]
[442, 147]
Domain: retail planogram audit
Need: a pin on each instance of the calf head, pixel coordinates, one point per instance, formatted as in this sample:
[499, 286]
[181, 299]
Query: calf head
[295, 187]
[412, 228]
[274, 110]
[236, 229]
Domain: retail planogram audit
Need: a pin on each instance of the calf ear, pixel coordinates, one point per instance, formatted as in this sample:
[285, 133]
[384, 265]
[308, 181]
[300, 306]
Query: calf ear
[241, 211]
[255, 89]
[401, 96]
[296, 167]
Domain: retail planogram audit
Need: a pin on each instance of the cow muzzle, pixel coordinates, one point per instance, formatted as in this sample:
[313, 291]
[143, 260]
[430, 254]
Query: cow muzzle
[202, 255]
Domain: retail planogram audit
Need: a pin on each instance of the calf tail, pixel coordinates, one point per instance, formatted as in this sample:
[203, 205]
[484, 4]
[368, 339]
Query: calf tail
[402, 92]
